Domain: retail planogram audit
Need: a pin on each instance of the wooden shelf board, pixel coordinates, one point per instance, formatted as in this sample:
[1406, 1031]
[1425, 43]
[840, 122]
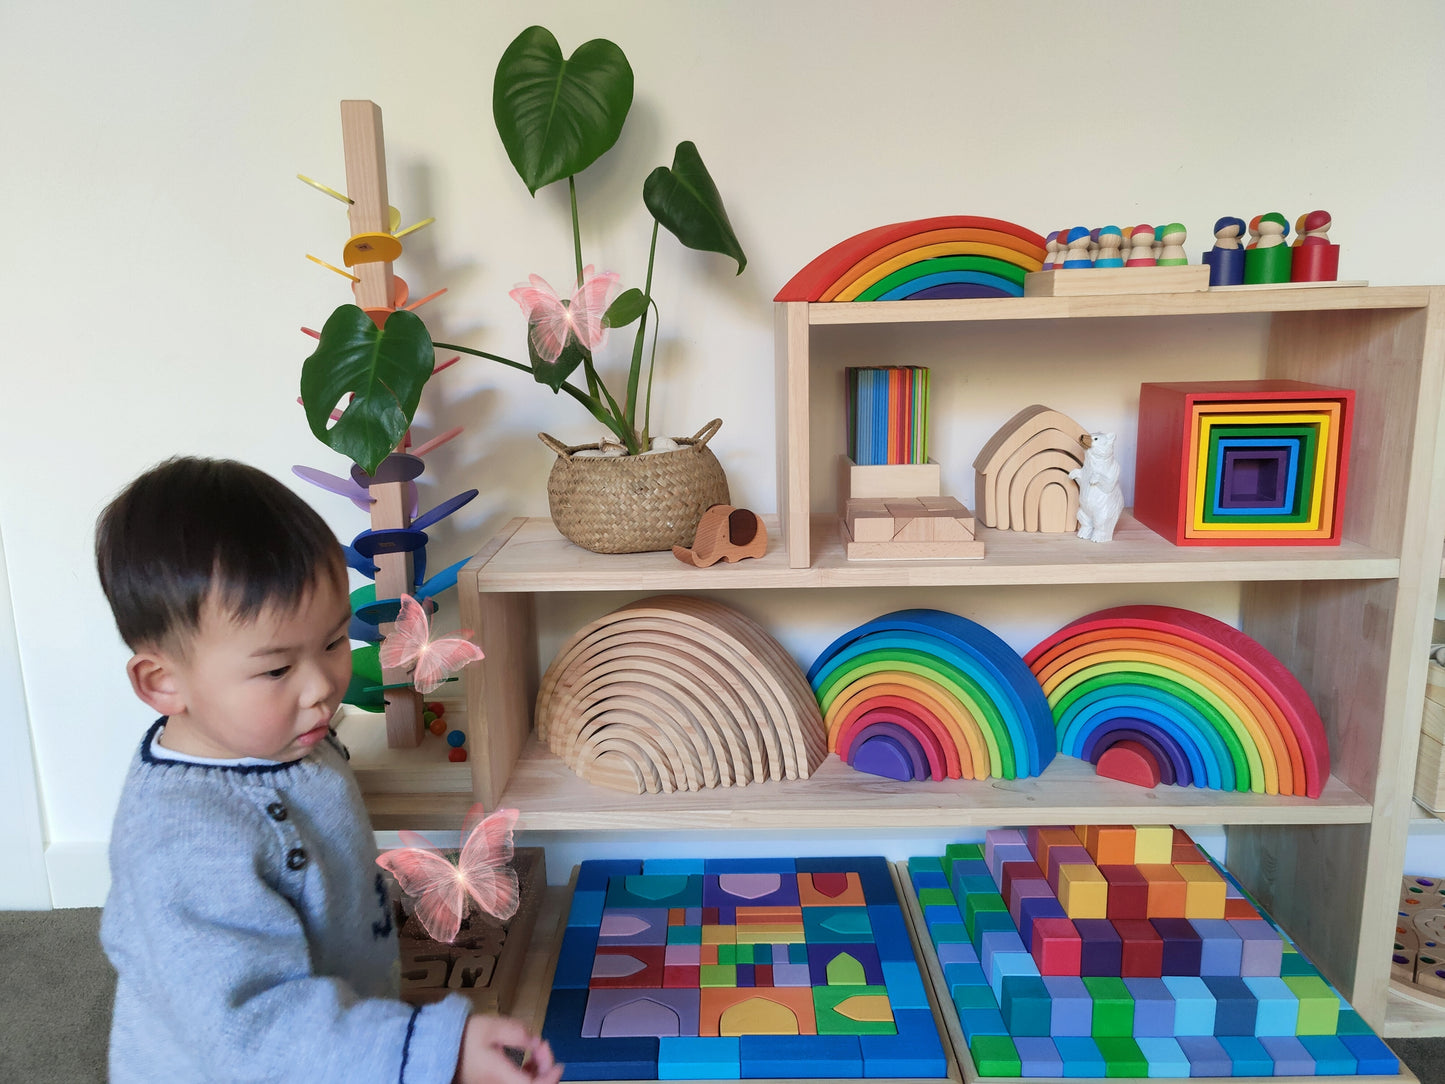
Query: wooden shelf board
[537, 558]
[1063, 308]
[380, 769]
[553, 798]
[1406, 1018]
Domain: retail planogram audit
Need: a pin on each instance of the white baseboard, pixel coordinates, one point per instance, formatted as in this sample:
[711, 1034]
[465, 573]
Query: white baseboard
[79, 873]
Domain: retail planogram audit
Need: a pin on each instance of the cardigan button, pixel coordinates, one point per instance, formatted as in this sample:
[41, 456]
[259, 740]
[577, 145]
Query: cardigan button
[276, 811]
[296, 858]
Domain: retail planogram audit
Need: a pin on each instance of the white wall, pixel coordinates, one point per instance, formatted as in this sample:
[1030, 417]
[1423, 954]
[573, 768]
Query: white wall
[154, 280]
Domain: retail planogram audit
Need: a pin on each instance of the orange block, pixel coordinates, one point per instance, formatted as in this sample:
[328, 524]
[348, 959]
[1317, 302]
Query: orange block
[1167, 895]
[1048, 838]
[708, 954]
[778, 1010]
[752, 916]
[1203, 890]
[1083, 892]
[1110, 844]
[677, 916]
[830, 890]
[1239, 907]
[1184, 850]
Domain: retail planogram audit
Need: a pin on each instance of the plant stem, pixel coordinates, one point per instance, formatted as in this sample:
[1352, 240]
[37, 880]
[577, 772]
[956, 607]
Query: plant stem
[634, 373]
[651, 365]
[483, 354]
[576, 229]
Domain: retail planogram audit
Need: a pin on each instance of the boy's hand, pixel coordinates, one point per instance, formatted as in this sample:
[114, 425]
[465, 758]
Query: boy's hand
[486, 1055]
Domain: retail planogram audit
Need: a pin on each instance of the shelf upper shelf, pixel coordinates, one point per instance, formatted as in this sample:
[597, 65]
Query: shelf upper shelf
[553, 798]
[536, 558]
[1210, 302]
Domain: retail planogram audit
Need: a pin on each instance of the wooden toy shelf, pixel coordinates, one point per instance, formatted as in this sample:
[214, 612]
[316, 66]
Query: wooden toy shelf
[1350, 621]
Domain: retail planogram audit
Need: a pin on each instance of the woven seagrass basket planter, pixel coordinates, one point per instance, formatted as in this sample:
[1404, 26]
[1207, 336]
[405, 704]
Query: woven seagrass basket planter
[634, 503]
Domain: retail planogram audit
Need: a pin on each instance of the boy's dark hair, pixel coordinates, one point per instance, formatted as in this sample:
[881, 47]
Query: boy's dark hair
[191, 528]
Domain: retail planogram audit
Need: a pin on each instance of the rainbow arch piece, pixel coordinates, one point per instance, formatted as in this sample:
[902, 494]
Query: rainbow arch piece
[927, 694]
[950, 256]
[1207, 703]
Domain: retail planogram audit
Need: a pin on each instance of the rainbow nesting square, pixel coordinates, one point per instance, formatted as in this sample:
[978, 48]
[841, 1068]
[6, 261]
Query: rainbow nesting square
[1243, 463]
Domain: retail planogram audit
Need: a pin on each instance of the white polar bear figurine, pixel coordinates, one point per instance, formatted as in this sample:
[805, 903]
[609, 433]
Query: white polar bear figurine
[1100, 500]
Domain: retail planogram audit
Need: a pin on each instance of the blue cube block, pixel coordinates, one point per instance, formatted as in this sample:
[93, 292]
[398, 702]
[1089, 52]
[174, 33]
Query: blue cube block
[784, 866]
[1246, 1055]
[927, 878]
[1288, 1054]
[673, 867]
[586, 908]
[915, 1051]
[987, 922]
[1235, 1007]
[1034, 908]
[950, 952]
[1153, 1007]
[1332, 1056]
[574, 959]
[941, 914]
[1071, 1009]
[1004, 964]
[1371, 1054]
[956, 975]
[793, 1056]
[1024, 1002]
[951, 935]
[593, 875]
[694, 1058]
[966, 998]
[1080, 1055]
[905, 985]
[928, 863]
[1278, 1010]
[981, 1022]
[1193, 1005]
[1164, 1056]
[1206, 1056]
[1221, 948]
[1038, 1056]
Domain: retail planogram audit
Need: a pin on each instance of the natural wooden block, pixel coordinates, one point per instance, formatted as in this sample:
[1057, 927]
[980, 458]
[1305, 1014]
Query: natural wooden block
[1083, 281]
[870, 526]
[857, 550]
[887, 480]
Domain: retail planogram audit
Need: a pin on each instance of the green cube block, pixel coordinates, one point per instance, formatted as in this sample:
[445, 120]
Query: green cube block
[1293, 963]
[835, 1015]
[1319, 1006]
[995, 1055]
[747, 954]
[936, 897]
[717, 975]
[727, 955]
[963, 851]
[981, 902]
[1122, 1056]
[1113, 1007]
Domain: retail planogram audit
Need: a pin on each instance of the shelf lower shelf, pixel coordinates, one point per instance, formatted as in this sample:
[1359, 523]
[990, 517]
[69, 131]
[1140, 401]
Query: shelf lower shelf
[536, 558]
[553, 798]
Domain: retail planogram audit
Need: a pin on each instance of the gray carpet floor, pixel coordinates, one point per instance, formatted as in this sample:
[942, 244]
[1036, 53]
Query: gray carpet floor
[57, 988]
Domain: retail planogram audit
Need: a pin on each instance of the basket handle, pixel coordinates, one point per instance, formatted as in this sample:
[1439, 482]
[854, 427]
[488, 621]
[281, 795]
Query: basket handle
[707, 432]
[555, 444]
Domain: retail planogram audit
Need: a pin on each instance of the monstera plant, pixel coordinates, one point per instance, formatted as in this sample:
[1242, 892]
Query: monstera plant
[555, 115]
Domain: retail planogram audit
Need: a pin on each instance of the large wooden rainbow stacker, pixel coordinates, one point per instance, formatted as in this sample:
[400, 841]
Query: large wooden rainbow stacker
[1119, 951]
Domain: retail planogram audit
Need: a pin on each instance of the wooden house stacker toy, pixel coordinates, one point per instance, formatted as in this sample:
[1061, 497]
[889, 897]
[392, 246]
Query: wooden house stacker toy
[393, 550]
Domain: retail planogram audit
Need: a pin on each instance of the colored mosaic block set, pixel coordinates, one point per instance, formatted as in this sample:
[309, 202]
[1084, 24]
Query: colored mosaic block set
[1123, 951]
[725, 969]
[1243, 463]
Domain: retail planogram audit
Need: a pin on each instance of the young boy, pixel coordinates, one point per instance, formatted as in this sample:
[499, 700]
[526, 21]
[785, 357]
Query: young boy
[247, 919]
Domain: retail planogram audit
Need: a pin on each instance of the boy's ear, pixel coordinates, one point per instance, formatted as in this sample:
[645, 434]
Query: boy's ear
[153, 680]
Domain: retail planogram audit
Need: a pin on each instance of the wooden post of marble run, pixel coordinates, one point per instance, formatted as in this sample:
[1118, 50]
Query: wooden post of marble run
[370, 213]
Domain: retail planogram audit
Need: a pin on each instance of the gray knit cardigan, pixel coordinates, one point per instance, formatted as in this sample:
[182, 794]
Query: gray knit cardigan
[249, 927]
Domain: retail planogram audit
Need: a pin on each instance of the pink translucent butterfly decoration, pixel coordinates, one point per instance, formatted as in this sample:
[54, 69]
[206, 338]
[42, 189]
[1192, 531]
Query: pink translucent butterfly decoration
[553, 321]
[482, 873]
[410, 642]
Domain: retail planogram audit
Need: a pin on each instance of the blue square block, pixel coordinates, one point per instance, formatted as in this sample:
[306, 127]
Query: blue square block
[1080, 1055]
[1038, 1055]
[1034, 908]
[1278, 1010]
[1288, 1054]
[674, 867]
[1247, 1056]
[987, 922]
[927, 878]
[1071, 1011]
[694, 1058]
[1193, 1005]
[928, 863]
[1371, 1054]
[981, 1022]
[1235, 1007]
[586, 908]
[1164, 1055]
[1005, 964]
[1332, 1056]
[951, 935]
[794, 1056]
[916, 1051]
[1025, 1005]
[1221, 948]
[1206, 1056]
[941, 914]
[905, 985]
[593, 875]
[574, 959]
[957, 975]
[1153, 1007]
[949, 952]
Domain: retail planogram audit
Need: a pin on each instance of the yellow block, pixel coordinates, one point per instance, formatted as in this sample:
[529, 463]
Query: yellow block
[1153, 844]
[719, 935]
[1203, 891]
[1084, 893]
[759, 933]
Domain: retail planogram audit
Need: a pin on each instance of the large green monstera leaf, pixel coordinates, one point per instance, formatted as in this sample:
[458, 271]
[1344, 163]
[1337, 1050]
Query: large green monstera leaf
[557, 116]
[382, 369]
[685, 201]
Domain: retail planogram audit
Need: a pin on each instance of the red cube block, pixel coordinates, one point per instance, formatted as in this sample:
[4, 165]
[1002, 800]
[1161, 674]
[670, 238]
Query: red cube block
[1056, 946]
[1128, 892]
[1143, 951]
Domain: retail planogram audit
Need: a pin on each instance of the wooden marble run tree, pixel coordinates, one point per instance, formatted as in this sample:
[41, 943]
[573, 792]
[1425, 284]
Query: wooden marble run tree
[376, 355]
